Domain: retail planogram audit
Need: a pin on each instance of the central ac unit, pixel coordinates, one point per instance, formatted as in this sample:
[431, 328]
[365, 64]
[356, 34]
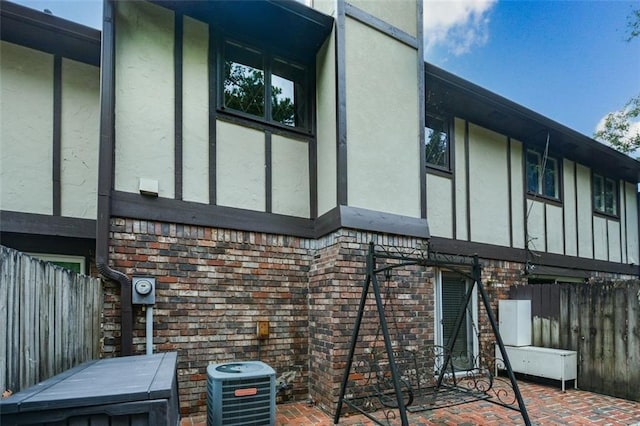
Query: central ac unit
[241, 393]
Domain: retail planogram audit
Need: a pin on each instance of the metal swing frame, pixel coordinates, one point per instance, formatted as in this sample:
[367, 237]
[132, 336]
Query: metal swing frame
[426, 258]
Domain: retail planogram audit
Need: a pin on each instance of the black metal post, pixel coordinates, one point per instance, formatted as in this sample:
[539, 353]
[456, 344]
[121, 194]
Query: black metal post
[356, 331]
[389, 348]
[496, 333]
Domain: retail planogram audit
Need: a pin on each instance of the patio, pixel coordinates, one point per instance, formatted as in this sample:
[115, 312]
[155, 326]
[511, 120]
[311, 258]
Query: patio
[546, 405]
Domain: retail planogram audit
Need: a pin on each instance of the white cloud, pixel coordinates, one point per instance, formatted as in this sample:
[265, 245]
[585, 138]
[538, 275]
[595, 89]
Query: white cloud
[457, 25]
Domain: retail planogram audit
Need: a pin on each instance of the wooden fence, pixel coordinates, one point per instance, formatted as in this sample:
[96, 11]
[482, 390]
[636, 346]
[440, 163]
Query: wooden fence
[601, 321]
[49, 319]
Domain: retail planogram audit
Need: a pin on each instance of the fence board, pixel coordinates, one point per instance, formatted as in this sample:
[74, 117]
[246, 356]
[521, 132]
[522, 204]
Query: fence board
[51, 319]
[601, 321]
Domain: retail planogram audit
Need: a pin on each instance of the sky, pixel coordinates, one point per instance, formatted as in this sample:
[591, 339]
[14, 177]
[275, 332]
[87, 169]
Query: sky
[567, 60]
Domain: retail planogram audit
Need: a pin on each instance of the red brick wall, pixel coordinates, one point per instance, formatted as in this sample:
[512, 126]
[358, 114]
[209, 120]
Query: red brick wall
[212, 287]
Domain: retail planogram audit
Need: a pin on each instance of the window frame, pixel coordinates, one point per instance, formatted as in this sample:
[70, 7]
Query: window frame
[616, 195]
[541, 183]
[56, 259]
[268, 58]
[447, 129]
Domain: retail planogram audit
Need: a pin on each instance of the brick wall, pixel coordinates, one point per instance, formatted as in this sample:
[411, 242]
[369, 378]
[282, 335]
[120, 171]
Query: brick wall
[212, 287]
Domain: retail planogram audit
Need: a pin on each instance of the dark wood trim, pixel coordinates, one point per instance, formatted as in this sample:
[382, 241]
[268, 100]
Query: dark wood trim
[178, 61]
[341, 107]
[41, 224]
[438, 172]
[268, 172]
[39, 243]
[606, 227]
[494, 252]
[262, 127]
[422, 110]
[380, 25]
[546, 231]
[467, 178]
[369, 220]
[593, 235]
[313, 178]
[575, 196]
[525, 211]
[509, 189]
[564, 222]
[534, 196]
[190, 213]
[57, 136]
[213, 101]
[454, 179]
[626, 229]
[328, 222]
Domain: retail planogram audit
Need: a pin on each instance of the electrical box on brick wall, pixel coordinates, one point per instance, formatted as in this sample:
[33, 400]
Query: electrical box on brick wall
[144, 291]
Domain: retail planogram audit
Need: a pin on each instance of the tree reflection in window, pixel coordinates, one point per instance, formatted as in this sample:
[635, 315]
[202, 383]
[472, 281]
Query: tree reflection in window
[605, 195]
[437, 142]
[245, 73]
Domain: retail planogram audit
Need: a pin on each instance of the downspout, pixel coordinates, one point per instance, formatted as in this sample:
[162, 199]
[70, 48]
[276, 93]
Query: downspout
[105, 178]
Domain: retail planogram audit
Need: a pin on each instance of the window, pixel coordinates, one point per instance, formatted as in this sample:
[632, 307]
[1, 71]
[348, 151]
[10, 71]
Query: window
[244, 90]
[436, 137]
[450, 296]
[542, 175]
[73, 263]
[605, 195]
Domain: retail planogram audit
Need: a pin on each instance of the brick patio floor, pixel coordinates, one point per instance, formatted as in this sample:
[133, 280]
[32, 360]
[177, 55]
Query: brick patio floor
[546, 405]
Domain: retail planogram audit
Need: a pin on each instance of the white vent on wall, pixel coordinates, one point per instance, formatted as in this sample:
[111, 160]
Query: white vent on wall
[241, 393]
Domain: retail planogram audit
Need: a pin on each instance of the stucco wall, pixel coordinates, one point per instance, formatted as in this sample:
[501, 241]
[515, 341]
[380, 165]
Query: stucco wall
[80, 130]
[402, 14]
[240, 171]
[382, 122]
[144, 97]
[631, 217]
[517, 195]
[26, 133]
[585, 215]
[290, 177]
[195, 111]
[460, 179]
[488, 187]
[439, 206]
[569, 202]
[326, 127]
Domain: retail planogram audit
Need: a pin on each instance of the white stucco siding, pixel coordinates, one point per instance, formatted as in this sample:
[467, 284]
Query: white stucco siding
[290, 177]
[517, 195]
[326, 126]
[439, 206]
[488, 187]
[460, 163]
[613, 236]
[195, 111]
[535, 225]
[145, 138]
[383, 153]
[26, 133]
[585, 214]
[631, 234]
[402, 14]
[80, 137]
[555, 239]
[600, 241]
[569, 203]
[240, 169]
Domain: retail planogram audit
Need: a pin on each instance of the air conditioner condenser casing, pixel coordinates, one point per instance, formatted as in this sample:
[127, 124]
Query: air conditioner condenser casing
[241, 394]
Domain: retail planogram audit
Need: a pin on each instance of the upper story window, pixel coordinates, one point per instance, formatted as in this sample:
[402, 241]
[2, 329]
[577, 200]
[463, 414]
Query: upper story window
[542, 175]
[282, 100]
[436, 137]
[605, 195]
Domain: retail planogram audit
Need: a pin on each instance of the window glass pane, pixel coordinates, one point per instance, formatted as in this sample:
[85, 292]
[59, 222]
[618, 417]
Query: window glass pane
[288, 97]
[437, 143]
[243, 80]
[454, 290]
[533, 172]
[610, 197]
[551, 178]
[73, 266]
[598, 193]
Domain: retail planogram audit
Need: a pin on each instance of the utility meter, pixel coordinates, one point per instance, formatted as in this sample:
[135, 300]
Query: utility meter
[144, 291]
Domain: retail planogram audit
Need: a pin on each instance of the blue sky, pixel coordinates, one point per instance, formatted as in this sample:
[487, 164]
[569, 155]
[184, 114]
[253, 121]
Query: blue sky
[567, 60]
